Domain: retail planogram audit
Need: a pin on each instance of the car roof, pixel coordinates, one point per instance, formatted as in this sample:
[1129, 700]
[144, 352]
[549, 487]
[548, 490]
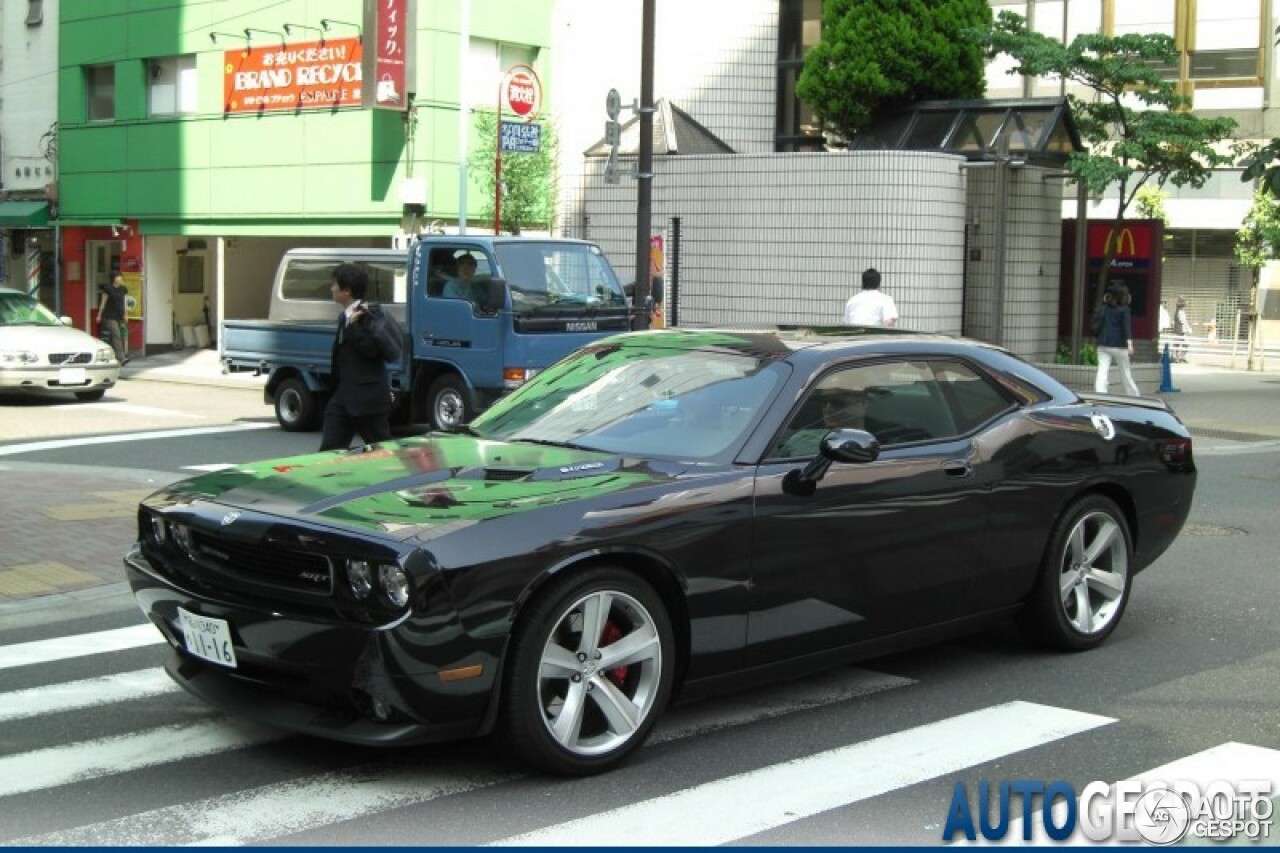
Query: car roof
[783, 341]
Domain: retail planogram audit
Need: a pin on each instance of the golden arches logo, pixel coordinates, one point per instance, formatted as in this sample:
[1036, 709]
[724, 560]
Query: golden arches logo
[1124, 232]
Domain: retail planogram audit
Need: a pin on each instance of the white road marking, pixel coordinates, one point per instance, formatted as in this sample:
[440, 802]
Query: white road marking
[260, 814]
[132, 409]
[87, 693]
[1230, 762]
[79, 645]
[60, 443]
[93, 759]
[209, 469]
[740, 806]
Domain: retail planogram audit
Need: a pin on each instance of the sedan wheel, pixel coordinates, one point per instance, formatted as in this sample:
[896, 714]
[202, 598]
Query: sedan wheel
[592, 667]
[1085, 580]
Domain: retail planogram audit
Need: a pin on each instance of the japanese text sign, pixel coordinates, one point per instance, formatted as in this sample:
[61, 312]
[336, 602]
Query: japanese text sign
[389, 59]
[303, 76]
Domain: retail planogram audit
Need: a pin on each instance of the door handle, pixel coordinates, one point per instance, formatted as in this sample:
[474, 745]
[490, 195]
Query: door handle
[957, 468]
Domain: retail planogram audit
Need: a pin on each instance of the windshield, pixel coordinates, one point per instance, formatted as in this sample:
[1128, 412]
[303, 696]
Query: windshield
[553, 277]
[18, 309]
[679, 403]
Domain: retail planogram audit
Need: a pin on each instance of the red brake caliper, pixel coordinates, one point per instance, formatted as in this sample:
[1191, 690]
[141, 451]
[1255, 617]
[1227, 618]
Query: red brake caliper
[610, 635]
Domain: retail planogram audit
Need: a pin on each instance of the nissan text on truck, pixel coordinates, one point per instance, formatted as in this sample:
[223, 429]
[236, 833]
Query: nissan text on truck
[530, 302]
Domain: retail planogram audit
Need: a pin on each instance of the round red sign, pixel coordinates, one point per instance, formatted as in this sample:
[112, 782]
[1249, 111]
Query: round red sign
[524, 92]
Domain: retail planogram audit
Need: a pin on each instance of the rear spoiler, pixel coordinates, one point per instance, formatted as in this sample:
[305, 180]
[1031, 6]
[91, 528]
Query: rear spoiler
[1155, 403]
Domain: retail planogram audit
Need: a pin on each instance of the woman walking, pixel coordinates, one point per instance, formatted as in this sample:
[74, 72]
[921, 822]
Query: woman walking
[1115, 340]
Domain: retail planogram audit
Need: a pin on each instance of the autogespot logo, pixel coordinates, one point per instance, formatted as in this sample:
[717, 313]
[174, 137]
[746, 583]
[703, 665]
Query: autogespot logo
[1157, 813]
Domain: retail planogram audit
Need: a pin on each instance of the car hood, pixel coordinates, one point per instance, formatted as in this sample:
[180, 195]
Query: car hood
[419, 486]
[45, 339]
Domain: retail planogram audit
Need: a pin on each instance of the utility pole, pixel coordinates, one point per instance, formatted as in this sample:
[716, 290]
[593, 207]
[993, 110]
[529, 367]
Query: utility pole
[644, 171]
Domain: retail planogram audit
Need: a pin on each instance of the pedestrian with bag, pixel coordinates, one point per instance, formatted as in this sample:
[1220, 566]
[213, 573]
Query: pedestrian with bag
[111, 318]
[367, 338]
[1113, 330]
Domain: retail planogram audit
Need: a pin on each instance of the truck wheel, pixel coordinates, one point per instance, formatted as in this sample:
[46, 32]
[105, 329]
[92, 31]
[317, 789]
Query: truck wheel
[297, 408]
[450, 405]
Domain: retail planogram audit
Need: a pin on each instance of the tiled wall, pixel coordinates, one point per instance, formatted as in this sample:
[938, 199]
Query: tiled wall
[783, 238]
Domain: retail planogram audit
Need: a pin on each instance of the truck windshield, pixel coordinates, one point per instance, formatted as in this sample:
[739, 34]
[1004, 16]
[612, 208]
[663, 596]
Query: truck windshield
[558, 277]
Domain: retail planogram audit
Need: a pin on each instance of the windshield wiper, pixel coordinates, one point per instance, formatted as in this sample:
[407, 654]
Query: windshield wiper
[546, 442]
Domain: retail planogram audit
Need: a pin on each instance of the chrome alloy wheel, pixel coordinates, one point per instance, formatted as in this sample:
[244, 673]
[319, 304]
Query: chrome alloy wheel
[449, 408]
[1094, 573]
[600, 673]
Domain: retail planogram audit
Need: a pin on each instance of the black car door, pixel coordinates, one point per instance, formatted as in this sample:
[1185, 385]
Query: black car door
[879, 547]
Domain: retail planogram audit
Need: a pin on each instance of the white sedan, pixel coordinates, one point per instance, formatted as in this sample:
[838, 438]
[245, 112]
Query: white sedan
[39, 351]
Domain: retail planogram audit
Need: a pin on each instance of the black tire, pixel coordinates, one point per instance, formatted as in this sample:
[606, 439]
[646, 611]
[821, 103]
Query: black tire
[635, 689]
[90, 396]
[1079, 599]
[448, 403]
[297, 406]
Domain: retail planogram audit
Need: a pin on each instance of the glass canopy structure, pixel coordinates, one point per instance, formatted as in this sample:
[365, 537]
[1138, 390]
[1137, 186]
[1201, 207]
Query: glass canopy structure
[1038, 130]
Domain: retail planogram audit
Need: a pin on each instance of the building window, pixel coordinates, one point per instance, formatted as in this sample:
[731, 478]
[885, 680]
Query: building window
[1219, 43]
[487, 62]
[799, 28]
[100, 85]
[35, 12]
[171, 86]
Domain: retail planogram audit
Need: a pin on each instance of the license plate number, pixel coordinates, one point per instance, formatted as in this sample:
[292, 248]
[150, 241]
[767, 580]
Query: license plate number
[207, 638]
[72, 376]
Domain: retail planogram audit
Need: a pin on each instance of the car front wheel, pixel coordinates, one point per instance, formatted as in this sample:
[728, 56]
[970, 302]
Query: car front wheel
[95, 394]
[591, 668]
[1084, 580]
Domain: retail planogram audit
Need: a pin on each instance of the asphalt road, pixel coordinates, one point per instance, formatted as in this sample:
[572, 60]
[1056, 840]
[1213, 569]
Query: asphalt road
[866, 755]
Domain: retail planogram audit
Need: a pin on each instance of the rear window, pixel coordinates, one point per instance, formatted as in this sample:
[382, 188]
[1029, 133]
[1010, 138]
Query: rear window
[306, 279]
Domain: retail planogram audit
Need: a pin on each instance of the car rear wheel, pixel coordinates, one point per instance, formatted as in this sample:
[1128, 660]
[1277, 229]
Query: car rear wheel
[1084, 580]
[590, 670]
[449, 406]
[297, 407]
[95, 394]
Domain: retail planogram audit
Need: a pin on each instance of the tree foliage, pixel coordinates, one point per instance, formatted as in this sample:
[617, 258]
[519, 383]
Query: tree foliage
[526, 178]
[1137, 126]
[877, 55]
[1258, 239]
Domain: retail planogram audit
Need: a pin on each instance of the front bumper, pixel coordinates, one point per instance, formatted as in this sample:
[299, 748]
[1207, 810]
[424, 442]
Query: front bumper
[50, 378]
[370, 685]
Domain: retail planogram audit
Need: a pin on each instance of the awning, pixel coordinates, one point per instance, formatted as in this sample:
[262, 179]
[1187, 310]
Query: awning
[24, 214]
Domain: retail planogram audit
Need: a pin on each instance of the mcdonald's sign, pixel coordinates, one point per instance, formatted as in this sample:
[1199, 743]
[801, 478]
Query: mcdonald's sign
[1133, 242]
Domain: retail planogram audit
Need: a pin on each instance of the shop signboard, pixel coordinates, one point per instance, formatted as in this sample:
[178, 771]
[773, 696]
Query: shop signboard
[389, 58]
[302, 76]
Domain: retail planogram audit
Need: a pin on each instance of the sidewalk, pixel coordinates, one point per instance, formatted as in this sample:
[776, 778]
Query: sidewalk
[69, 526]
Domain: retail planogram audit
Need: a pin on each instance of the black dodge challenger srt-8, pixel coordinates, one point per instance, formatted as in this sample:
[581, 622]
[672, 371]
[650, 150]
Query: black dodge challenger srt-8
[661, 513]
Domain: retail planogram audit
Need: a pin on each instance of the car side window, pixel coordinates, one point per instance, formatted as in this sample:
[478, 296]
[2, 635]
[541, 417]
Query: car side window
[457, 273]
[974, 399]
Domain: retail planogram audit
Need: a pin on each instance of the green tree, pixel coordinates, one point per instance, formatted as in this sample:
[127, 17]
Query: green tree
[526, 178]
[877, 55]
[1258, 239]
[1136, 125]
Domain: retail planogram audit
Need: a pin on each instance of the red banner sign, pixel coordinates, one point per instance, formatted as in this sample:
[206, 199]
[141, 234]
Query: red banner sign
[1132, 241]
[304, 76]
[390, 27]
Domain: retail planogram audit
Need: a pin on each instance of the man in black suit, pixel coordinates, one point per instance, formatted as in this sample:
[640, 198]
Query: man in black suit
[367, 339]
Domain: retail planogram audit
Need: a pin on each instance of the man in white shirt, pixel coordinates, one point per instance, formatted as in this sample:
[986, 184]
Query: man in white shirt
[870, 307]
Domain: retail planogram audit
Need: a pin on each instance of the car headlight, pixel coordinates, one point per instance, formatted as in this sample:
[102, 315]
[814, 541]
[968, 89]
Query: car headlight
[18, 356]
[105, 355]
[159, 530]
[359, 577]
[182, 535]
[395, 584]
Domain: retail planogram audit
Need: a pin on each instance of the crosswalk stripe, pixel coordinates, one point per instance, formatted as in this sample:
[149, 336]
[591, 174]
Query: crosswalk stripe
[86, 693]
[259, 814]
[79, 645]
[210, 468]
[1229, 761]
[93, 759]
[60, 443]
[739, 806]
[134, 409]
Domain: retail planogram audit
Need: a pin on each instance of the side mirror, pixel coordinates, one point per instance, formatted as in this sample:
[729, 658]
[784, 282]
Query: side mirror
[494, 297]
[851, 446]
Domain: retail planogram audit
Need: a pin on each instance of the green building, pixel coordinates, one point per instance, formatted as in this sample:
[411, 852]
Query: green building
[197, 140]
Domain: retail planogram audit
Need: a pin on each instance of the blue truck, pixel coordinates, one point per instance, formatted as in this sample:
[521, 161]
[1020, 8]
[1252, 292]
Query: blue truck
[470, 337]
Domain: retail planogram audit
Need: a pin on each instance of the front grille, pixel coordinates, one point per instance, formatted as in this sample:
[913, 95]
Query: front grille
[264, 564]
[65, 358]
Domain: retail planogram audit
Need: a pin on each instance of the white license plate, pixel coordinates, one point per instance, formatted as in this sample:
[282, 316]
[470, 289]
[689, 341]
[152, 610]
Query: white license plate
[207, 638]
[72, 376]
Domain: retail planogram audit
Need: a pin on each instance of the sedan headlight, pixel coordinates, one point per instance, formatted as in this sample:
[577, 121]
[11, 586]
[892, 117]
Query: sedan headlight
[182, 535]
[18, 356]
[105, 355]
[359, 578]
[159, 530]
[395, 584]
